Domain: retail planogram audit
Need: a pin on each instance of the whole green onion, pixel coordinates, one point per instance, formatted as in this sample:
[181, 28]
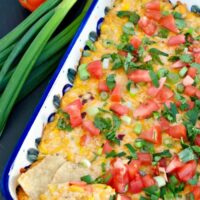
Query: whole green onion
[27, 62]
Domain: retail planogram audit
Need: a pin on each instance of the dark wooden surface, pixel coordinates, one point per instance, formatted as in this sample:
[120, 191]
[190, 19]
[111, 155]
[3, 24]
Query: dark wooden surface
[11, 13]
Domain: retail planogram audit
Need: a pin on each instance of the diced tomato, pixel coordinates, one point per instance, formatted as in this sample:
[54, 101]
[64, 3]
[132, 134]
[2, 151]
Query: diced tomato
[139, 75]
[119, 109]
[163, 163]
[197, 140]
[187, 171]
[85, 139]
[89, 126]
[107, 148]
[144, 158]
[174, 165]
[169, 23]
[153, 135]
[133, 168]
[177, 131]
[95, 69]
[145, 110]
[197, 94]
[153, 91]
[123, 53]
[136, 185]
[164, 95]
[153, 14]
[102, 87]
[147, 25]
[136, 42]
[74, 111]
[191, 104]
[192, 72]
[148, 181]
[164, 124]
[116, 93]
[153, 5]
[188, 80]
[178, 64]
[190, 90]
[196, 192]
[176, 40]
[122, 197]
[197, 58]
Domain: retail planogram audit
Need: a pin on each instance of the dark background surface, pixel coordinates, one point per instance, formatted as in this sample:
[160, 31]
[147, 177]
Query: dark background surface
[11, 14]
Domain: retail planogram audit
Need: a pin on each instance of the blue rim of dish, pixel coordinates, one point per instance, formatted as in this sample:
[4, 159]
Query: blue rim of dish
[5, 176]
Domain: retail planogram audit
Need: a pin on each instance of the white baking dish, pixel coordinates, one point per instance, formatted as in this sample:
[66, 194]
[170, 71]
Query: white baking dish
[58, 85]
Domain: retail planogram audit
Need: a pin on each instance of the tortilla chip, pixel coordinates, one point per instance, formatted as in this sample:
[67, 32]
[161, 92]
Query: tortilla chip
[35, 181]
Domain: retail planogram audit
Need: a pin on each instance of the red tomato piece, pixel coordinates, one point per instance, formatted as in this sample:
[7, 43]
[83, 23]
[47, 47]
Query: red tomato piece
[147, 25]
[148, 181]
[178, 131]
[136, 185]
[144, 158]
[89, 126]
[187, 171]
[178, 64]
[196, 192]
[107, 148]
[123, 53]
[139, 75]
[85, 140]
[74, 111]
[153, 91]
[169, 23]
[133, 168]
[164, 95]
[153, 135]
[153, 14]
[190, 90]
[192, 72]
[116, 93]
[95, 69]
[102, 87]
[119, 109]
[197, 94]
[197, 58]
[153, 5]
[145, 110]
[164, 124]
[174, 165]
[197, 140]
[176, 40]
[31, 4]
[136, 42]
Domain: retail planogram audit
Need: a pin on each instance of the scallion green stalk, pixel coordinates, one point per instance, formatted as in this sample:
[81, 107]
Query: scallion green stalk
[19, 47]
[27, 62]
[16, 33]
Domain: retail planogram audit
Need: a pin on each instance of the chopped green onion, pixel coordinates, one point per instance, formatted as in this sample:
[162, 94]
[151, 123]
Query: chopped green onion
[132, 151]
[154, 78]
[152, 190]
[187, 155]
[86, 53]
[90, 45]
[180, 88]
[172, 77]
[88, 179]
[104, 95]
[160, 181]
[138, 128]
[86, 163]
[164, 154]
[110, 81]
[163, 33]
[126, 119]
[183, 72]
[113, 154]
[83, 72]
[92, 110]
[162, 72]
[187, 58]
[168, 142]
[128, 28]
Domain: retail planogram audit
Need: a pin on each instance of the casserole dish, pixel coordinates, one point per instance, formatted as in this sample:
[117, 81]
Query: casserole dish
[59, 85]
